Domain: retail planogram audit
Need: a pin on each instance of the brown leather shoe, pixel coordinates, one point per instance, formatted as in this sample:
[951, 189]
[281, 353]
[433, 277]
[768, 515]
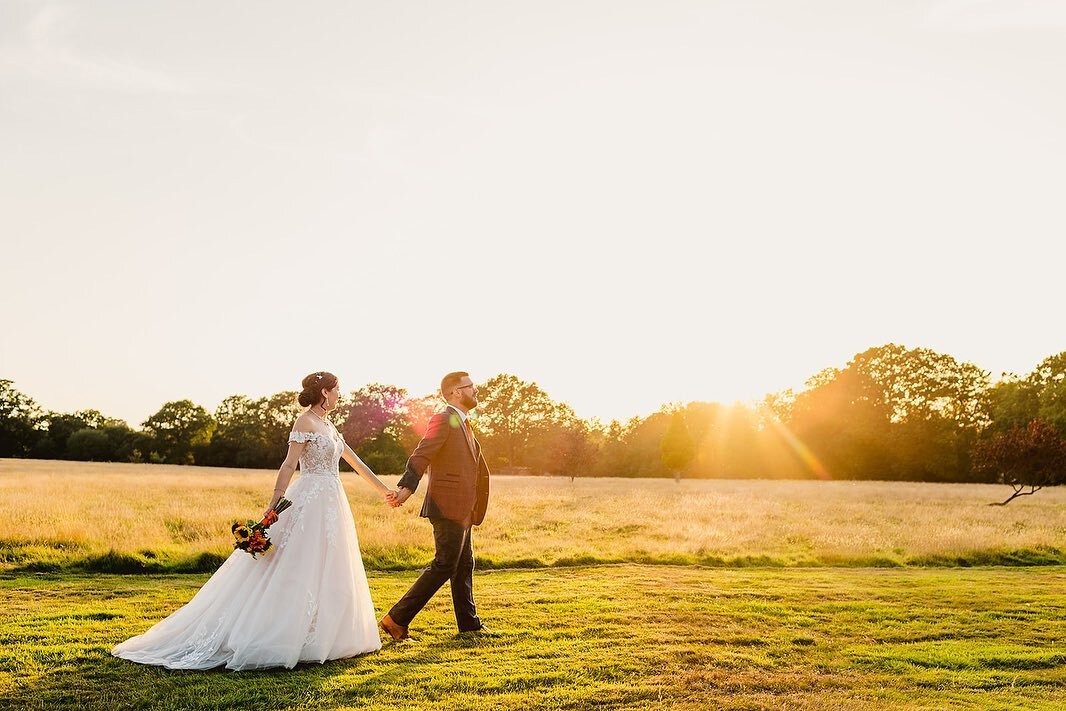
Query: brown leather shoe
[395, 631]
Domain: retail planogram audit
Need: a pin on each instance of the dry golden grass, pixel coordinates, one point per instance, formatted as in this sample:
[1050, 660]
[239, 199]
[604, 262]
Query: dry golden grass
[58, 514]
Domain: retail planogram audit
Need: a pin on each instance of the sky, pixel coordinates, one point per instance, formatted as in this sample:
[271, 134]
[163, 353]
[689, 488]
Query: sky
[630, 203]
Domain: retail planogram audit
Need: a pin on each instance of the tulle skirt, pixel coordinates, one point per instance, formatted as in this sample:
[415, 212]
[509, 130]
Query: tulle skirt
[306, 600]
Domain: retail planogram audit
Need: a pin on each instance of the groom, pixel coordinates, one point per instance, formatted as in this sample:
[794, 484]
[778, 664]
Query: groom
[457, 498]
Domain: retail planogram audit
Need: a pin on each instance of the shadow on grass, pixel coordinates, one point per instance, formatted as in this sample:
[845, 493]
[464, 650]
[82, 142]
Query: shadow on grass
[126, 563]
[149, 563]
[97, 680]
[100, 681]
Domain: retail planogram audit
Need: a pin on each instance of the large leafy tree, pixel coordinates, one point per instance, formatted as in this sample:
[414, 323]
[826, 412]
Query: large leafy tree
[919, 383]
[125, 444]
[279, 413]
[676, 447]
[179, 430]
[1013, 401]
[371, 411]
[58, 428]
[384, 454]
[894, 413]
[573, 450]
[376, 423]
[728, 439]
[239, 438]
[843, 422]
[613, 459]
[640, 446]
[1048, 379]
[19, 420]
[515, 421]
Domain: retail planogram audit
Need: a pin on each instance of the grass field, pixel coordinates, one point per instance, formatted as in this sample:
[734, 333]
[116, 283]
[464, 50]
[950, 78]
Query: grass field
[69, 516]
[589, 637]
[606, 593]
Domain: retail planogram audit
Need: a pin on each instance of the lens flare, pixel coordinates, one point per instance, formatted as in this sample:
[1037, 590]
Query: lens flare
[802, 451]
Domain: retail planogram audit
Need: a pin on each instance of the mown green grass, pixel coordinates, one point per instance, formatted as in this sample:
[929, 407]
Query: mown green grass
[594, 637]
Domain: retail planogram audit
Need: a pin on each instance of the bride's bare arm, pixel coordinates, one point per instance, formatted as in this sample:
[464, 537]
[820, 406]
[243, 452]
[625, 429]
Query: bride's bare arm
[288, 468]
[364, 471]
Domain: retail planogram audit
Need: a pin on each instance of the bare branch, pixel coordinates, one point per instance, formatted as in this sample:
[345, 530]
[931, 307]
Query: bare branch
[1017, 492]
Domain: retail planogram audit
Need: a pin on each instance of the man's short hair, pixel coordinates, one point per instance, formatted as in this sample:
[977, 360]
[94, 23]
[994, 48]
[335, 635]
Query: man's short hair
[451, 380]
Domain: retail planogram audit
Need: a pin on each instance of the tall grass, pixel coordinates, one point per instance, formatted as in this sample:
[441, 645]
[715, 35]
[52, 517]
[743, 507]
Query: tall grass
[129, 517]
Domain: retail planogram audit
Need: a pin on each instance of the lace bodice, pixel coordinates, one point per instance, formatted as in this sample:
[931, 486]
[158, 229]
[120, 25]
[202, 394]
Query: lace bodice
[322, 455]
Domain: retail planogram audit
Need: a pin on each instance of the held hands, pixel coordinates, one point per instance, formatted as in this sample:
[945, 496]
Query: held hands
[396, 497]
[390, 498]
[402, 495]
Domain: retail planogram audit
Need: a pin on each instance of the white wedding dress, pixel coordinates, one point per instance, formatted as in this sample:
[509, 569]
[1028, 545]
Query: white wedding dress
[306, 600]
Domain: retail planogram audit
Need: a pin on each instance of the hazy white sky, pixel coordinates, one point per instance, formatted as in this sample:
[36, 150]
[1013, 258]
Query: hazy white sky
[628, 202]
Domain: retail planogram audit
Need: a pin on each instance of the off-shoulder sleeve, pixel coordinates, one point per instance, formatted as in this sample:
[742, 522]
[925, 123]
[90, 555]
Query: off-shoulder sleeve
[295, 436]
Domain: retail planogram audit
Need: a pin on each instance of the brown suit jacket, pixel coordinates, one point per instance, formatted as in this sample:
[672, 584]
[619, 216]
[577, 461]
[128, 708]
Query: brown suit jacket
[458, 474]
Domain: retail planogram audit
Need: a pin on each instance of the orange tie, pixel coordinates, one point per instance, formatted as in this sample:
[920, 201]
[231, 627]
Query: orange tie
[470, 431]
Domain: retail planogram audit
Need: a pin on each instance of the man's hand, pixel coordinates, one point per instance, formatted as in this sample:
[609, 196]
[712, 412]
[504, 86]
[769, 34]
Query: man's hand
[390, 498]
[402, 495]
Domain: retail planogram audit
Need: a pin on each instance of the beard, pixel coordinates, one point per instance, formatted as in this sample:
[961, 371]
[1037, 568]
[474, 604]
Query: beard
[469, 401]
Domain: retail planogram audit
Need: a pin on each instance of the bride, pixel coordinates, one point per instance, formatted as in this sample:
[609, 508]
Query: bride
[305, 600]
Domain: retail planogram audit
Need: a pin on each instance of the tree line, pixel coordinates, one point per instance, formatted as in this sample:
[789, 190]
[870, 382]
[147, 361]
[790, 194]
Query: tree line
[892, 413]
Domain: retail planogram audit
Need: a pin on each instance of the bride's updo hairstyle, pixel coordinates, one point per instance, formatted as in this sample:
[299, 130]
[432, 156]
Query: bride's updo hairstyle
[313, 386]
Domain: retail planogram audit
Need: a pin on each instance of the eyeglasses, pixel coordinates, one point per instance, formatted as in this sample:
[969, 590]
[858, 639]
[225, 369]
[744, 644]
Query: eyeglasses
[463, 387]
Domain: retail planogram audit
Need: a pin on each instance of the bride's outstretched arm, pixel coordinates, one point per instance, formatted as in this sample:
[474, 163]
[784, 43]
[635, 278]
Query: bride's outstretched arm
[364, 471]
[288, 468]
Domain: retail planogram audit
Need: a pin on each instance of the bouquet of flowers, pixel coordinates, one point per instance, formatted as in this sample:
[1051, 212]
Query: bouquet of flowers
[252, 537]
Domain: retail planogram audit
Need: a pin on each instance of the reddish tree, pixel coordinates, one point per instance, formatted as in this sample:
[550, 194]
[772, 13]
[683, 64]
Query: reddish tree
[1029, 457]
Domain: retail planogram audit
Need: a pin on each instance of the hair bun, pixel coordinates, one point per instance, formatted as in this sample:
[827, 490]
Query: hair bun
[313, 385]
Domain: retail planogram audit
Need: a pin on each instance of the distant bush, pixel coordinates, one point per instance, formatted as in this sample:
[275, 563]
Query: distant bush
[89, 445]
